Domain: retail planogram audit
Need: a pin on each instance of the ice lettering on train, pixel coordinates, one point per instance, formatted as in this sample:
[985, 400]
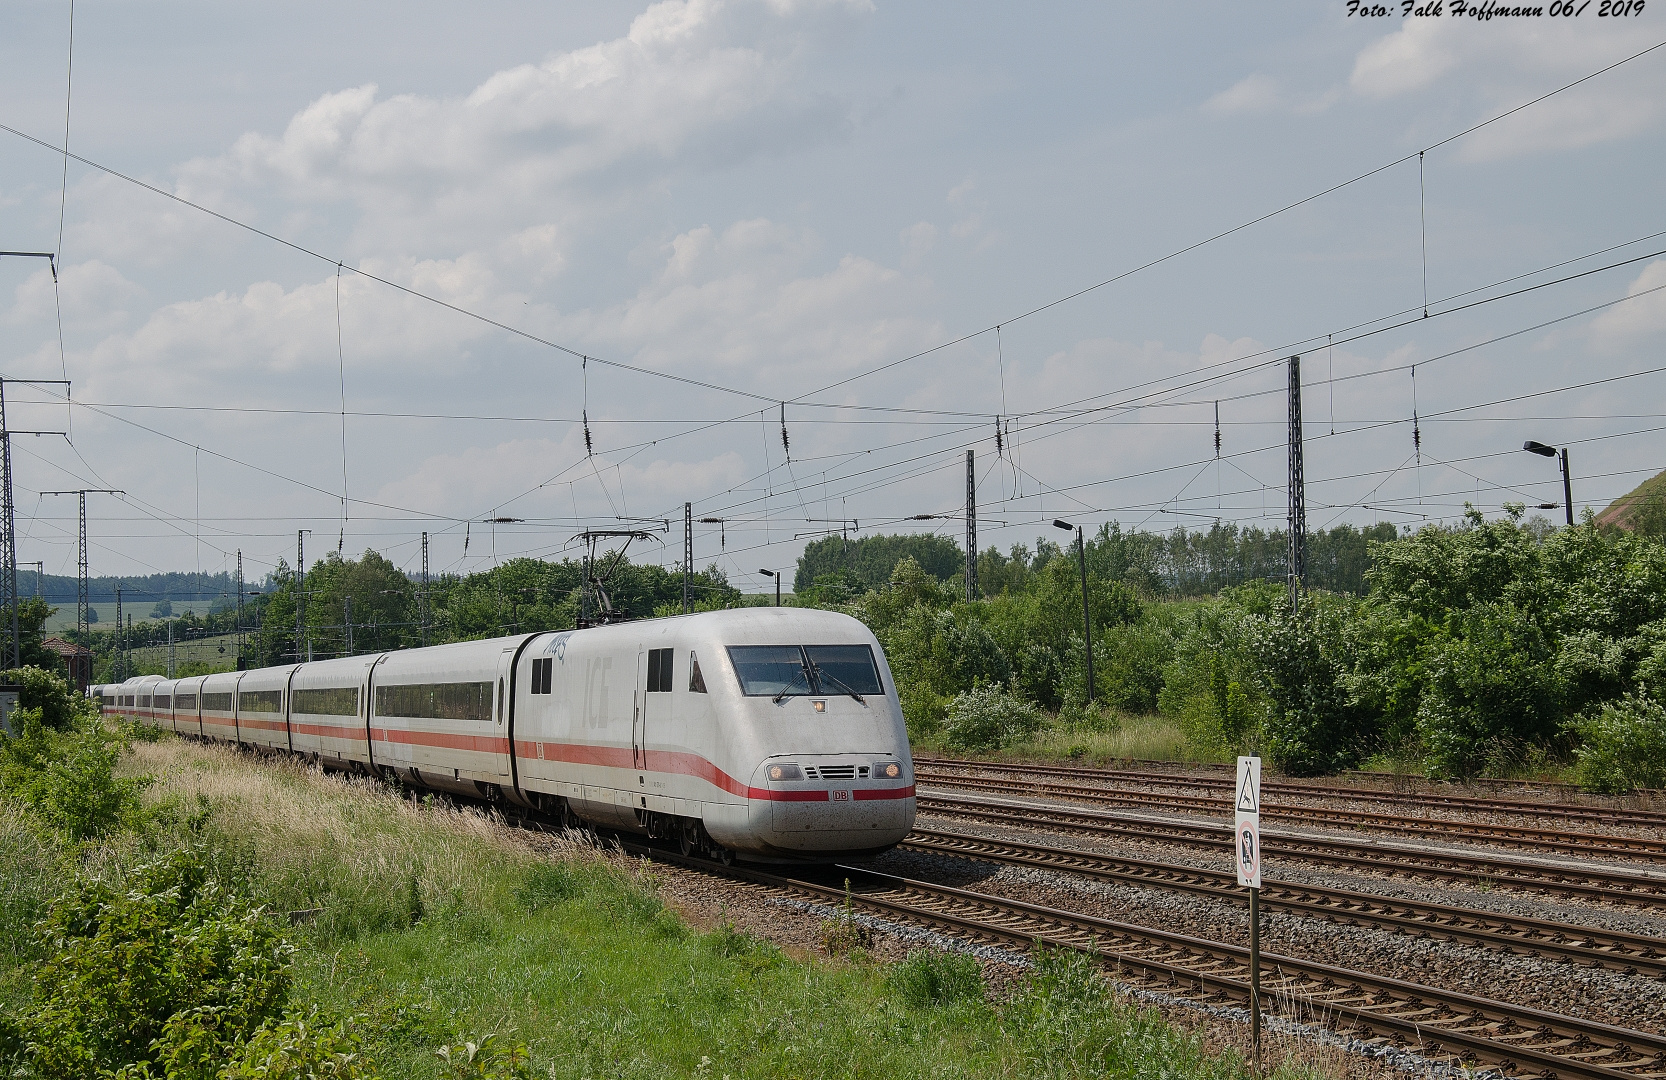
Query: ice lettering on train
[597, 691]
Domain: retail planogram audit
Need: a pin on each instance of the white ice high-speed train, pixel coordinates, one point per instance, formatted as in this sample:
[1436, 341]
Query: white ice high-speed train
[772, 734]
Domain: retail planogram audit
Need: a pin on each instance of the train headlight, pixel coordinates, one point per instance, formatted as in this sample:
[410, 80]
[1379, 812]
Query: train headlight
[886, 770]
[785, 772]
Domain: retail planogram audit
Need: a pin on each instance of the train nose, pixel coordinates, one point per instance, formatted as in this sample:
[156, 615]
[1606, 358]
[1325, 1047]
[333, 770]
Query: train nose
[845, 801]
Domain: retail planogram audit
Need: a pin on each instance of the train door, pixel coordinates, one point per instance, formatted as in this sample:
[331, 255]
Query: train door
[500, 714]
[654, 696]
[639, 741]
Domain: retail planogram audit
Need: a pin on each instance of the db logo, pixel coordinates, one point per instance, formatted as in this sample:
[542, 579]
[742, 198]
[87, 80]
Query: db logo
[838, 796]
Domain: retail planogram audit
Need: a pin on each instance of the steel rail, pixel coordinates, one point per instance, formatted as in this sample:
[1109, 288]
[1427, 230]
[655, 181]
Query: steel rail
[1608, 815]
[1586, 883]
[1630, 954]
[1584, 845]
[1373, 1008]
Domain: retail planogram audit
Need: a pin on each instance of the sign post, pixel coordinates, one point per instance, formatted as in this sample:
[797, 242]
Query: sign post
[1246, 844]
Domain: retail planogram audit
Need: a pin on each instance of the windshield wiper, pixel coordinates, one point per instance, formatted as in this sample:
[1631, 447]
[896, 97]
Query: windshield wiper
[820, 674]
[786, 688]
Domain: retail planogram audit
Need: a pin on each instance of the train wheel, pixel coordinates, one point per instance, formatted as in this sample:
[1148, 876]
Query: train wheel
[686, 838]
[723, 855]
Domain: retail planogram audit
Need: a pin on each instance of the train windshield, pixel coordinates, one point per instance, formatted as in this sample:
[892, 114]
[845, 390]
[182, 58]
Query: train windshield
[843, 669]
[798, 670]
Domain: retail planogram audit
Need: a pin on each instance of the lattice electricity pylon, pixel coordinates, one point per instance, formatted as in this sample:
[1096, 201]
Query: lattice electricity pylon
[1298, 500]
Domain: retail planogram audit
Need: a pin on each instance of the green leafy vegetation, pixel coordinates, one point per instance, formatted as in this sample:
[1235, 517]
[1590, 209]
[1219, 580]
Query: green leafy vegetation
[298, 925]
[1623, 746]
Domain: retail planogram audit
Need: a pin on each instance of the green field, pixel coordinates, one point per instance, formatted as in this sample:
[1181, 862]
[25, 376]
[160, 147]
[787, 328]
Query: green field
[64, 617]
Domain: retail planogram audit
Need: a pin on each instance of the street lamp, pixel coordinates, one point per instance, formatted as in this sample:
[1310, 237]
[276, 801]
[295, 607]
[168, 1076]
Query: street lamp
[777, 577]
[1567, 485]
[1087, 623]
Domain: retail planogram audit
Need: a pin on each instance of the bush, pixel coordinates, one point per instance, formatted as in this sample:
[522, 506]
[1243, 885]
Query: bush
[58, 703]
[174, 970]
[1624, 747]
[1314, 725]
[1129, 663]
[68, 777]
[492, 1058]
[302, 1047]
[989, 718]
[1491, 689]
[931, 977]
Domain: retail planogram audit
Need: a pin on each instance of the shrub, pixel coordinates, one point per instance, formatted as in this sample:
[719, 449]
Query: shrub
[68, 777]
[1623, 747]
[932, 977]
[1301, 660]
[302, 1047]
[1491, 687]
[492, 1058]
[1129, 663]
[173, 970]
[988, 718]
[58, 703]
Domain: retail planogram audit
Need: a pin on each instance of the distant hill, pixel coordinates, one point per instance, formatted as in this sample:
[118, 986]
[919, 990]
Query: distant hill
[1623, 511]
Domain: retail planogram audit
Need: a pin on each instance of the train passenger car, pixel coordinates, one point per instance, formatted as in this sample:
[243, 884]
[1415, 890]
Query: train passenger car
[217, 705]
[262, 707]
[326, 711]
[439, 716]
[144, 697]
[162, 704]
[188, 705]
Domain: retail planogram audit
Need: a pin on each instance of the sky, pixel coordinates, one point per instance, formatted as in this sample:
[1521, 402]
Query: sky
[575, 265]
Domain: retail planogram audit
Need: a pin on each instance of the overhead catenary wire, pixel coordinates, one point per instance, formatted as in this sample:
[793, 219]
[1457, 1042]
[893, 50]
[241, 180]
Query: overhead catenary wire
[527, 335]
[783, 403]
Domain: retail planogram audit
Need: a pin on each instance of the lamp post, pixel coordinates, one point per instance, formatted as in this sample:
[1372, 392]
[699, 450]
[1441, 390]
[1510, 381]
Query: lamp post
[777, 576]
[1567, 484]
[1087, 623]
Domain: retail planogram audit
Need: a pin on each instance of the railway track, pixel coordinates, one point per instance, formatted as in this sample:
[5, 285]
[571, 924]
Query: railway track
[1469, 804]
[1439, 1024]
[1630, 954]
[1583, 845]
[1581, 882]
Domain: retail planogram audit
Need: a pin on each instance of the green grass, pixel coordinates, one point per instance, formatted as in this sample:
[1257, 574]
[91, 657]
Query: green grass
[64, 618]
[1141, 738]
[437, 925]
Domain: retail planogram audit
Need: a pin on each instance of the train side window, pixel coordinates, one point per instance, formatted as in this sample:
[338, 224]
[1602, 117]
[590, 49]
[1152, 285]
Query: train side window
[696, 681]
[500, 701]
[549, 674]
[541, 673]
[659, 670]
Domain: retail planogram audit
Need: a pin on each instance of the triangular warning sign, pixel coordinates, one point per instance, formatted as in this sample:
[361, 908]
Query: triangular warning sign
[1246, 796]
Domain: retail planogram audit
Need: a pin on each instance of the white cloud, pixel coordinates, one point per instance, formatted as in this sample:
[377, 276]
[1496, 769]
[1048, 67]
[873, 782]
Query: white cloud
[740, 305]
[693, 81]
[464, 482]
[1513, 64]
[917, 241]
[1256, 93]
[1626, 323]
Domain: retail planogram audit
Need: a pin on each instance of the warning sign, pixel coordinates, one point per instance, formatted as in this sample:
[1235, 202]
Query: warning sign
[1249, 786]
[1246, 823]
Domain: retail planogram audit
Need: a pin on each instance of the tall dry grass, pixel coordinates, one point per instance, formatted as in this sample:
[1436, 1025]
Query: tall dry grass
[355, 852]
